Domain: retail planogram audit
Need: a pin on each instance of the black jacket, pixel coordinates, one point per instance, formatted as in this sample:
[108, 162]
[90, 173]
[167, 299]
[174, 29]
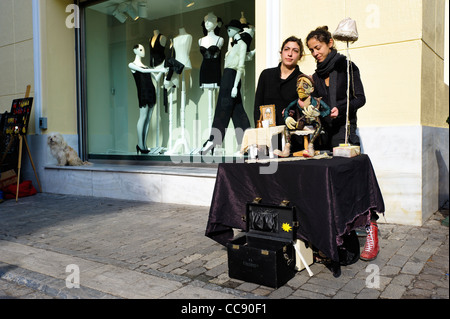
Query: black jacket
[273, 90]
[336, 96]
[339, 84]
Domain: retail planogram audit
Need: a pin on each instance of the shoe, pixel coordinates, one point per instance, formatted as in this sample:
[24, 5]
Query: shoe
[285, 153]
[139, 150]
[208, 146]
[371, 248]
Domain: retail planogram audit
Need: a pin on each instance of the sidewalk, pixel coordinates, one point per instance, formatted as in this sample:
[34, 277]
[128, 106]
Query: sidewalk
[128, 249]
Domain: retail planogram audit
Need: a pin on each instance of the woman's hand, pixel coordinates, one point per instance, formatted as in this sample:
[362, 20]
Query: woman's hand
[334, 112]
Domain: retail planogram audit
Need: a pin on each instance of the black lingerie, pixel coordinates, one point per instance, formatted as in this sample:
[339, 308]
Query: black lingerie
[210, 70]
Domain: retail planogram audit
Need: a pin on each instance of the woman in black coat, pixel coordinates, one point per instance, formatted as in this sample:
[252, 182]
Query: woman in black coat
[331, 84]
[330, 81]
[279, 85]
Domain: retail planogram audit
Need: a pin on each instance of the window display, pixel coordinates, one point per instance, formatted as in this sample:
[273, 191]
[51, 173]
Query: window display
[162, 103]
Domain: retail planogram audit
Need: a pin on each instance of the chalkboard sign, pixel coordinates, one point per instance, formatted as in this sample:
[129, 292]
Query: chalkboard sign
[19, 117]
[21, 110]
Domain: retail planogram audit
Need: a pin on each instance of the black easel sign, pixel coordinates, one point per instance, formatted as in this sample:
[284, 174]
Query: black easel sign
[21, 110]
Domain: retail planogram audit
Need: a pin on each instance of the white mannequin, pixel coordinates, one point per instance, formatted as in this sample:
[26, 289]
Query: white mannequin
[145, 115]
[211, 39]
[234, 60]
[160, 70]
[235, 57]
[182, 44]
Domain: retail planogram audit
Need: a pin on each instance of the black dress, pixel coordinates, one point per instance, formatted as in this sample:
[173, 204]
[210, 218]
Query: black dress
[210, 70]
[145, 88]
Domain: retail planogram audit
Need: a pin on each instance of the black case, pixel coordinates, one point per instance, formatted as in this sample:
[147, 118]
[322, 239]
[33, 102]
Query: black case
[264, 254]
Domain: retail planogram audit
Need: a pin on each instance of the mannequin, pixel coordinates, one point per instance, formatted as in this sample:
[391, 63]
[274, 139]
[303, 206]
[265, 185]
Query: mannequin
[210, 48]
[157, 57]
[146, 95]
[182, 44]
[157, 47]
[229, 104]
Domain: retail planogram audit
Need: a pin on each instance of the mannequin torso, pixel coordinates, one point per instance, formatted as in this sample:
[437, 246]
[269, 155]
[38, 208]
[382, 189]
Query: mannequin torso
[182, 44]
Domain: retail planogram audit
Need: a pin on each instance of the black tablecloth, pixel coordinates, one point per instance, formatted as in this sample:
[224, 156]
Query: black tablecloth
[331, 196]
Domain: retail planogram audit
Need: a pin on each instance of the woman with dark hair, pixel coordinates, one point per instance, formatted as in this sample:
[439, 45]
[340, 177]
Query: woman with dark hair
[331, 82]
[278, 85]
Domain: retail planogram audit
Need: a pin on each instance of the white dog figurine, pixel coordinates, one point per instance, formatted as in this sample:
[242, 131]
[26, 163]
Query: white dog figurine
[64, 154]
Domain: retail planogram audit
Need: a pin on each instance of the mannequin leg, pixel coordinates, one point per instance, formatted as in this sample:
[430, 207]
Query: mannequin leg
[240, 119]
[147, 126]
[143, 125]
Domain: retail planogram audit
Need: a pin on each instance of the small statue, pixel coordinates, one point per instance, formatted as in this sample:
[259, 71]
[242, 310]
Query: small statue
[307, 110]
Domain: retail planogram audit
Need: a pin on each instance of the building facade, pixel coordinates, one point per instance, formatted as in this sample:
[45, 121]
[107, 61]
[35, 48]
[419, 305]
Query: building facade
[76, 57]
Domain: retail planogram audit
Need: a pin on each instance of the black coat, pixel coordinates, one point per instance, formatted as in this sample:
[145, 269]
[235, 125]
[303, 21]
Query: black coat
[273, 90]
[336, 96]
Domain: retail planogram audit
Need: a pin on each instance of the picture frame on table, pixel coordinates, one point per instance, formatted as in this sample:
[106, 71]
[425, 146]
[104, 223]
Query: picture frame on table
[268, 113]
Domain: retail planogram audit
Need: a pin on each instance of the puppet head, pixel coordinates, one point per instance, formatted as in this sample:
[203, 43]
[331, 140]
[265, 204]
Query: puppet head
[305, 86]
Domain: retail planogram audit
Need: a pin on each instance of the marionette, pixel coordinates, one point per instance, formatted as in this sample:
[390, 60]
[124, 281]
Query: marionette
[305, 111]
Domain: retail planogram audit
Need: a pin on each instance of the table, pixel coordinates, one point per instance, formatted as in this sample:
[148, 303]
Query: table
[331, 196]
[255, 137]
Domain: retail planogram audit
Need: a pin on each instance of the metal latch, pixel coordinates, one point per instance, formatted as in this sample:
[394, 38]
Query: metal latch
[284, 203]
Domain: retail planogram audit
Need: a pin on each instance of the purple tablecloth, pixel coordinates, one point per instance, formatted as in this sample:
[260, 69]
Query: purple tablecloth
[331, 196]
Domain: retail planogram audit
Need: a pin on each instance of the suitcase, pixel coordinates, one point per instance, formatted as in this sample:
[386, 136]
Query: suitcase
[265, 254]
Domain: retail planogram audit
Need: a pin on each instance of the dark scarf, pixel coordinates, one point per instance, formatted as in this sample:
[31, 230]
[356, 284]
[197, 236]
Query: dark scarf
[327, 66]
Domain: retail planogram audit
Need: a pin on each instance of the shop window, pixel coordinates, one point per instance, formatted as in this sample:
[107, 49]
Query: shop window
[175, 104]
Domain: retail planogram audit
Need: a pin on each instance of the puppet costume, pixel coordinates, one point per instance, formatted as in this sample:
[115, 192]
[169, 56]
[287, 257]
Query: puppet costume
[306, 110]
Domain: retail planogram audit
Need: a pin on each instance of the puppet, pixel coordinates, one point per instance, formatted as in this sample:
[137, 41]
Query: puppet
[306, 111]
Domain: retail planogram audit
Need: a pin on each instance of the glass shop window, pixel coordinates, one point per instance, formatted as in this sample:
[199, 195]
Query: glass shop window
[153, 73]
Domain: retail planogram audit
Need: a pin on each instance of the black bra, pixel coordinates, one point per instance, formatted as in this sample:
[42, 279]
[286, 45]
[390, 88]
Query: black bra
[213, 52]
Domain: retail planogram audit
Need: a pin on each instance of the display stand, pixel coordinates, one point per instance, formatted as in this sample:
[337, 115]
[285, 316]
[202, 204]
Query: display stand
[211, 87]
[170, 100]
[158, 76]
[20, 131]
[182, 141]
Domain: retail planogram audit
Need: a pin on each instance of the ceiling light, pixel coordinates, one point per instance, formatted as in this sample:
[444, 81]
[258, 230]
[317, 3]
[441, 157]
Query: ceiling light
[189, 3]
[120, 15]
[142, 9]
[131, 12]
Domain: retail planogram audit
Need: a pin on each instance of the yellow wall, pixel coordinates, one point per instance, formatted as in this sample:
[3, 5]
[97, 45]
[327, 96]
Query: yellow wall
[58, 65]
[58, 68]
[16, 51]
[435, 98]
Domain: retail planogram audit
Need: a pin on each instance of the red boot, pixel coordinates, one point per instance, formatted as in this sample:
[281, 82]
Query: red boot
[371, 248]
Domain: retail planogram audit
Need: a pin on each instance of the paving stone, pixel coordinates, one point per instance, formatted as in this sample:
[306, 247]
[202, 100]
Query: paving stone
[393, 291]
[141, 238]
